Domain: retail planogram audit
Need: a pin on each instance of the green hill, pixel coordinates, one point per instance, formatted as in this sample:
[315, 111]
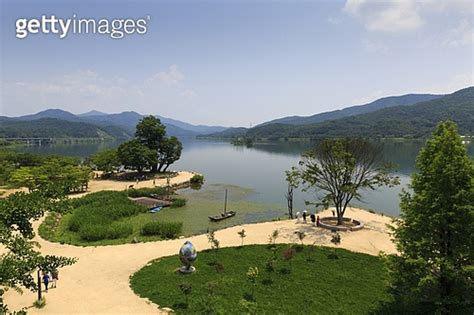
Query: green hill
[414, 121]
[385, 102]
[53, 128]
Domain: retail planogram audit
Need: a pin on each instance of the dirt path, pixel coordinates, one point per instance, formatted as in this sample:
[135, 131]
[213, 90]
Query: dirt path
[99, 282]
[96, 185]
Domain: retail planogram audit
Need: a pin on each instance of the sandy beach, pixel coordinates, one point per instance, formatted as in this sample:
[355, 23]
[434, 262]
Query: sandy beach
[99, 282]
[96, 185]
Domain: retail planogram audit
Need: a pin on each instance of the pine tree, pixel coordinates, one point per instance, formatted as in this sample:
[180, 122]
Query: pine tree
[435, 232]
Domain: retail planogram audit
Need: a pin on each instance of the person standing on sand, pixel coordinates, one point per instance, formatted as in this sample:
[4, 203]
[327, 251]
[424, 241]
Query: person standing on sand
[55, 277]
[46, 280]
[317, 221]
[154, 182]
[304, 216]
[313, 219]
[333, 213]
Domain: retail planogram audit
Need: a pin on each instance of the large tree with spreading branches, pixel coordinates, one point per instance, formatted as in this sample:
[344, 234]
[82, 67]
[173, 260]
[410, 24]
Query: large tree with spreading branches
[340, 168]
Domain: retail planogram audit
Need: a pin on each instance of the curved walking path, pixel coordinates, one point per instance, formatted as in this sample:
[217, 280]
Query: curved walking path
[99, 282]
[96, 185]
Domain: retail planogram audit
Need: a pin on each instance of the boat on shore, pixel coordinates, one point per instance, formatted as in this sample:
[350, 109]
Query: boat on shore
[225, 215]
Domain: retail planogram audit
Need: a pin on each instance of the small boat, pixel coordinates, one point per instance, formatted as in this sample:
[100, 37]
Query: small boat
[155, 209]
[226, 214]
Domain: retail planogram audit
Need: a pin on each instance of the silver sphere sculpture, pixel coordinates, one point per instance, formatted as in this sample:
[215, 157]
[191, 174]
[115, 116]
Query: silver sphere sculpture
[187, 255]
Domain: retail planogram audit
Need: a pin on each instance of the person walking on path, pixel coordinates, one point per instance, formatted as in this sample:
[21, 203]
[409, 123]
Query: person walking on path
[55, 277]
[46, 280]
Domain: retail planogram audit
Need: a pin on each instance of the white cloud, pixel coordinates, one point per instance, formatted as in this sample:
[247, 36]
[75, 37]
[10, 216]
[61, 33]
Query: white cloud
[385, 16]
[373, 47]
[333, 20]
[460, 35]
[85, 90]
[170, 77]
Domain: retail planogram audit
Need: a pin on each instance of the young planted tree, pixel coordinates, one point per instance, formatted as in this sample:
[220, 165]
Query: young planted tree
[341, 168]
[435, 232]
[242, 235]
[20, 259]
[293, 180]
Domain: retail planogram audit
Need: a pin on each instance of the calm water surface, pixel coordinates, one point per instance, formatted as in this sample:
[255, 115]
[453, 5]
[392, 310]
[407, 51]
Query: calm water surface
[255, 178]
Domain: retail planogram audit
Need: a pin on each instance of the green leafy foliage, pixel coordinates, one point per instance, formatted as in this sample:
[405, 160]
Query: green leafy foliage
[20, 258]
[340, 168]
[435, 232]
[97, 216]
[135, 156]
[178, 202]
[146, 192]
[163, 229]
[105, 160]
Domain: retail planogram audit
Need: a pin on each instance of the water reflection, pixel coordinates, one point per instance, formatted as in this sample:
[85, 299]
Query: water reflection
[261, 168]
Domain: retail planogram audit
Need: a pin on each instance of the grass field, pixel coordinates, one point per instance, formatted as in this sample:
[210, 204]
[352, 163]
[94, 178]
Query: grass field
[106, 218]
[313, 282]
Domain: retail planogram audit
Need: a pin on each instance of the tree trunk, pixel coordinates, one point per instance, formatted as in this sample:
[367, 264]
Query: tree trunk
[340, 217]
[39, 285]
[166, 168]
[154, 168]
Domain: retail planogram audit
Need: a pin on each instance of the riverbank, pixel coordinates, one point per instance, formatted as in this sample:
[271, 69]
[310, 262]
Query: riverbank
[95, 185]
[99, 281]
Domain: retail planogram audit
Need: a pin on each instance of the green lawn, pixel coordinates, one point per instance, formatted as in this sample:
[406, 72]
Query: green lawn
[315, 283]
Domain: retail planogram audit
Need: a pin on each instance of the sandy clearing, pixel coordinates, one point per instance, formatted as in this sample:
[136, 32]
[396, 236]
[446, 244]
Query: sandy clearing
[99, 282]
[96, 185]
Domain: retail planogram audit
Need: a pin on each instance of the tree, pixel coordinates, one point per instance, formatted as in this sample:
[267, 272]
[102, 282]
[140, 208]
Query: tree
[134, 155]
[168, 153]
[293, 180]
[341, 168]
[242, 235]
[435, 232]
[20, 258]
[151, 133]
[106, 161]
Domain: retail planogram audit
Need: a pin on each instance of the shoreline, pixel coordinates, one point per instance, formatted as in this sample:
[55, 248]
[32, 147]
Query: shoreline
[96, 185]
[101, 275]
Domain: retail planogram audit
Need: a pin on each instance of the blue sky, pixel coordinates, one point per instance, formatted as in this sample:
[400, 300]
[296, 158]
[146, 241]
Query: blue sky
[236, 63]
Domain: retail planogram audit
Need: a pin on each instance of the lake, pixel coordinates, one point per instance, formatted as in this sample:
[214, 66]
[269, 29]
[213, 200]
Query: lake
[254, 177]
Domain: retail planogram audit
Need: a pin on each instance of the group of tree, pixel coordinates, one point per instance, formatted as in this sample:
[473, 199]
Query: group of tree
[151, 149]
[434, 234]
[68, 171]
[20, 260]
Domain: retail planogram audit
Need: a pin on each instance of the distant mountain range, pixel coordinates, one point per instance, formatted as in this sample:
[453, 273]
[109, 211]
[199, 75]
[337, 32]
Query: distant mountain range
[93, 124]
[409, 116]
[381, 103]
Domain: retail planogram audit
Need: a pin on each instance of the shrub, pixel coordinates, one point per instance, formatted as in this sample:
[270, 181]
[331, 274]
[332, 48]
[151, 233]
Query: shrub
[93, 232]
[178, 202]
[197, 179]
[146, 192]
[119, 230]
[163, 229]
[39, 303]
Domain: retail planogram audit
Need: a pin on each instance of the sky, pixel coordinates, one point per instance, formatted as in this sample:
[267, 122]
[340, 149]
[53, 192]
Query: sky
[235, 63]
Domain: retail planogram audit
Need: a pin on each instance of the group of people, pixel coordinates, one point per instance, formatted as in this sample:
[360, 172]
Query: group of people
[313, 217]
[52, 277]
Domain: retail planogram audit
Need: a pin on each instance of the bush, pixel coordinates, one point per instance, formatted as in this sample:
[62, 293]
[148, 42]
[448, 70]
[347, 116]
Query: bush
[93, 232]
[119, 230]
[178, 202]
[146, 192]
[197, 179]
[163, 229]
